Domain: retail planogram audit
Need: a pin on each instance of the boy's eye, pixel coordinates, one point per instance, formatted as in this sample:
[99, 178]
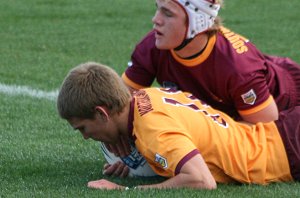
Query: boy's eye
[167, 12]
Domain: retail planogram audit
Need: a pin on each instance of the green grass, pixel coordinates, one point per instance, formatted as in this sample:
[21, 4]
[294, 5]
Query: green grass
[273, 26]
[40, 156]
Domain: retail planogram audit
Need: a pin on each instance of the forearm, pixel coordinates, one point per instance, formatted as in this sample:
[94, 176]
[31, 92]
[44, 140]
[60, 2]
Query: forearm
[182, 180]
[193, 174]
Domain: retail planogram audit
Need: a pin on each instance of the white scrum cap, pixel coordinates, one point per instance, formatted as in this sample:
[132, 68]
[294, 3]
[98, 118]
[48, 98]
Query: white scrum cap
[201, 15]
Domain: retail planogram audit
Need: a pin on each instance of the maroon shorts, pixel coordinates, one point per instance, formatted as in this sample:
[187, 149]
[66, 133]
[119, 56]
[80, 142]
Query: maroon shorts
[289, 128]
[292, 78]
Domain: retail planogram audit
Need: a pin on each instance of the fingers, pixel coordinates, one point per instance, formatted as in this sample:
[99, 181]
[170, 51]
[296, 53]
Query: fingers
[118, 169]
[104, 184]
[105, 167]
[121, 171]
[124, 172]
[99, 184]
[112, 169]
[108, 169]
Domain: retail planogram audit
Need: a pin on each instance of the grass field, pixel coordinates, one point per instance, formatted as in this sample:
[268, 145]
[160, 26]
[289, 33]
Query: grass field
[40, 156]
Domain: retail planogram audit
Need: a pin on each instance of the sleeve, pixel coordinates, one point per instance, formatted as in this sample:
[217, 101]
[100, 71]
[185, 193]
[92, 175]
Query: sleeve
[165, 145]
[171, 153]
[248, 84]
[251, 94]
[141, 70]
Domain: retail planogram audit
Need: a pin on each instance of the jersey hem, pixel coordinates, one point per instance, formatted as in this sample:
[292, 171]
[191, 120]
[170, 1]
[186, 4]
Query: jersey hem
[185, 159]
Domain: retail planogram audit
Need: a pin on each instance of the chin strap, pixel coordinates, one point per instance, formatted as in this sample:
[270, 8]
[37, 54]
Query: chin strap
[183, 44]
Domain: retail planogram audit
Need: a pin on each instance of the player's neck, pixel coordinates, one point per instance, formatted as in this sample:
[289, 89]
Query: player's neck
[194, 47]
[121, 120]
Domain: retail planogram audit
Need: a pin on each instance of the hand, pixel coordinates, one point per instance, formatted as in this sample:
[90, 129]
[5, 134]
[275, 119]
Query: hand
[104, 184]
[121, 149]
[118, 169]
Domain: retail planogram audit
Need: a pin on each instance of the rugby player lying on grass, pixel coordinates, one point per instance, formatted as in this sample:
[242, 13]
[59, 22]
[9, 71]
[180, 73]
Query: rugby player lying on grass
[182, 138]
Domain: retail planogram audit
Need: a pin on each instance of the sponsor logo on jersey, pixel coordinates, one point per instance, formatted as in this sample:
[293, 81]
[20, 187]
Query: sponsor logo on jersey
[249, 97]
[161, 160]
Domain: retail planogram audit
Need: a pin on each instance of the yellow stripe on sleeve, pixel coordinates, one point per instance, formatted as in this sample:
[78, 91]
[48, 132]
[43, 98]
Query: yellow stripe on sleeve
[257, 108]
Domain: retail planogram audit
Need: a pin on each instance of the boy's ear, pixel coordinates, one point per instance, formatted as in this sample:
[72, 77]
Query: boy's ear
[103, 112]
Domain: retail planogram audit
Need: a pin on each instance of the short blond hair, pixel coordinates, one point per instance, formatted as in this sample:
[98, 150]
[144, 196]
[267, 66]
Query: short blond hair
[89, 85]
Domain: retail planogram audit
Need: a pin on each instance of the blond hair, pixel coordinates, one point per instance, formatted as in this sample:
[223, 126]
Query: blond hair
[89, 85]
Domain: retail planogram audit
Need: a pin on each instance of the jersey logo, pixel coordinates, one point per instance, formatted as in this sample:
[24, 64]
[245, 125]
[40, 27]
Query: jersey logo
[249, 97]
[161, 160]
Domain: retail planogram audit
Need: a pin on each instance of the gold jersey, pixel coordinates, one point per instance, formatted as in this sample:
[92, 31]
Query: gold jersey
[172, 126]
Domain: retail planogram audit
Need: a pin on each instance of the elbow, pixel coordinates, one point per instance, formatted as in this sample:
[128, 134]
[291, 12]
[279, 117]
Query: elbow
[211, 185]
[208, 184]
[276, 117]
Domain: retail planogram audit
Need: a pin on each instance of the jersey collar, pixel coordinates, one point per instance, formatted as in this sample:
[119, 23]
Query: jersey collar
[199, 59]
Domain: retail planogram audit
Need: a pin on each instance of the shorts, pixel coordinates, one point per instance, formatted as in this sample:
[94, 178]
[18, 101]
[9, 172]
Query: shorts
[288, 126]
[292, 78]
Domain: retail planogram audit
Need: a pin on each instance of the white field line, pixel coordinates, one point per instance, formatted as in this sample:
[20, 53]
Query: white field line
[28, 91]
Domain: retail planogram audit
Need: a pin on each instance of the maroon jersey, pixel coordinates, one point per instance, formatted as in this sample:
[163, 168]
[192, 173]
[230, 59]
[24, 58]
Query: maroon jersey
[231, 74]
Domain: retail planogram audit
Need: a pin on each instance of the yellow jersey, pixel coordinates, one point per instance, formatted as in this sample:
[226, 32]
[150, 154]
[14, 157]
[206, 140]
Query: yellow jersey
[172, 126]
